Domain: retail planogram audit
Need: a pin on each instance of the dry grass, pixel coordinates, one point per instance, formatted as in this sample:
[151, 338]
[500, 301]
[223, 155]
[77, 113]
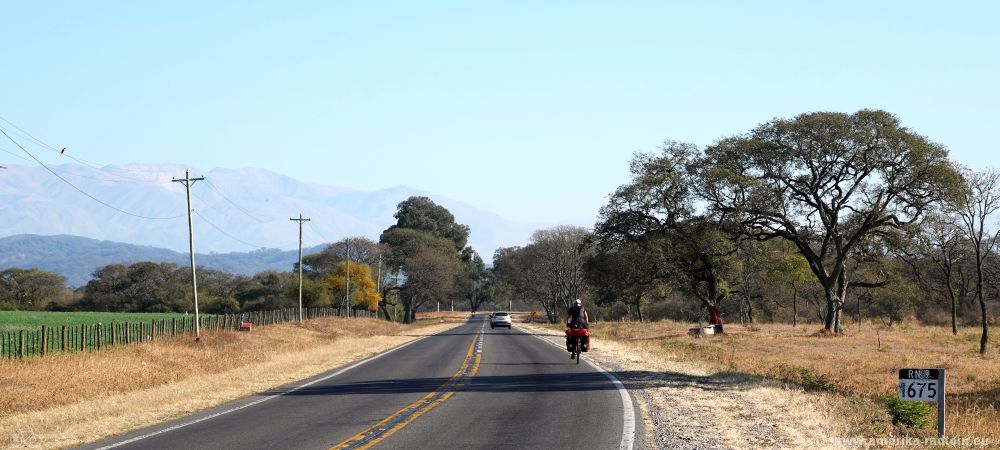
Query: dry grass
[692, 404]
[859, 364]
[70, 399]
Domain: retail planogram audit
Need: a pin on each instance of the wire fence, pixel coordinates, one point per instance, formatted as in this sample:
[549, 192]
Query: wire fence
[94, 337]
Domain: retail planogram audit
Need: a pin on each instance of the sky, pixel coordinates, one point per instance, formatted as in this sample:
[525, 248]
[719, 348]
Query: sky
[529, 109]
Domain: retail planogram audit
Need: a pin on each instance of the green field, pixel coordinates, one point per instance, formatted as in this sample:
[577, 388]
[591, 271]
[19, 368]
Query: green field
[33, 320]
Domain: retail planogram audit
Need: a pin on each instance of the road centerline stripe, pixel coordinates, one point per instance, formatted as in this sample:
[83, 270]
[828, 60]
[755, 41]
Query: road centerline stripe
[400, 419]
[257, 401]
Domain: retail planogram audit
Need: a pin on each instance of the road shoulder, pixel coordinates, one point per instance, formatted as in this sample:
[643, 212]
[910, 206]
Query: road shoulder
[688, 406]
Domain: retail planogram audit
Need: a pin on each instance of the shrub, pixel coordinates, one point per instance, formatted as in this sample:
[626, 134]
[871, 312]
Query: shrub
[909, 414]
[807, 378]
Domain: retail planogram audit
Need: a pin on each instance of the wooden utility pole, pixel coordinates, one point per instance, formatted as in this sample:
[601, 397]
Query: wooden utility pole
[188, 181]
[300, 220]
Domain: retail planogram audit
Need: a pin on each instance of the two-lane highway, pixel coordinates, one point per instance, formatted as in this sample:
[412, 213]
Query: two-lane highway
[469, 387]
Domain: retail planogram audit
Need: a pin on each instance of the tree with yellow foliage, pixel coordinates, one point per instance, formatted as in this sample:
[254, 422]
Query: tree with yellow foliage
[363, 293]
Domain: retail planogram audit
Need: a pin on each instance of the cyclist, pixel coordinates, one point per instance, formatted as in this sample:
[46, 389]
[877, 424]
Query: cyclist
[576, 315]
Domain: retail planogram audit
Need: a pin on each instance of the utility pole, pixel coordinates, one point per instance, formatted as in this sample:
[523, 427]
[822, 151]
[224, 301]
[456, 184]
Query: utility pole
[348, 299]
[378, 284]
[300, 220]
[188, 181]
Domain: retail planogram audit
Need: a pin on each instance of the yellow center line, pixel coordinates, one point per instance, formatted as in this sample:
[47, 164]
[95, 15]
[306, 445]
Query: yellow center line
[400, 419]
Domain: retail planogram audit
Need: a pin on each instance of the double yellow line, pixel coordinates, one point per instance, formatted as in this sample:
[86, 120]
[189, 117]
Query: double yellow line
[400, 419]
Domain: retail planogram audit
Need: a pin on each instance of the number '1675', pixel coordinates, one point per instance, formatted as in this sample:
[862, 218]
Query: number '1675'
[918, 390]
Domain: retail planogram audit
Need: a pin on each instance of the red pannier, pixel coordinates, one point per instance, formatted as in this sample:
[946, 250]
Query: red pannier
[576, 330]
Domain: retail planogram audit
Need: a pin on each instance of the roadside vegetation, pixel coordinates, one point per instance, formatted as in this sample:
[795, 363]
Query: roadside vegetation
[861, 364]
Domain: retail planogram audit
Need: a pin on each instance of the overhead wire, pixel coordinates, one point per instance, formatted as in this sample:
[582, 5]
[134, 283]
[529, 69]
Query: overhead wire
[31, 138]
[316, 230]
[240, 208]
[81, 190]
[217, 228]
[16, 155]
[61, 152]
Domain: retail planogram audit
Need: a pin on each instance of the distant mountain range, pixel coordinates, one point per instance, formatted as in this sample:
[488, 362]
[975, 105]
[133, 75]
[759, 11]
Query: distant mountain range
[236, 210]
[77, 258]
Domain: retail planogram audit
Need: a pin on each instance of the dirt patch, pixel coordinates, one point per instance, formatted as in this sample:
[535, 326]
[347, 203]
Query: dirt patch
[690, 406]
[67, 400]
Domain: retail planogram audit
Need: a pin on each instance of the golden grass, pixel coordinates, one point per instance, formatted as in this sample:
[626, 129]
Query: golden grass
[69, 399]
[704, 406]
[859, 364]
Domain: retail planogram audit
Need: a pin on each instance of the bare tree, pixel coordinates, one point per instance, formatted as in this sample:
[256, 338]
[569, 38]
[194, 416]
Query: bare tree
[549, 270]
[979, 201]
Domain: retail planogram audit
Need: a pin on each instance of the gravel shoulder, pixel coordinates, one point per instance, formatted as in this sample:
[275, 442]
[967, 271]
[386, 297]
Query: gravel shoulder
[689, 406]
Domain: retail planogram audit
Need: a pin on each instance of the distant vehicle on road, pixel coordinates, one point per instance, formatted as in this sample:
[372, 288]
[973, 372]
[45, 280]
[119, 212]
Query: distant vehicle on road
[500, 319]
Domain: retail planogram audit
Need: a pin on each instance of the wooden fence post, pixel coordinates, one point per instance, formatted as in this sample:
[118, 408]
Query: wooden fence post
[45, 340]
[20, 346]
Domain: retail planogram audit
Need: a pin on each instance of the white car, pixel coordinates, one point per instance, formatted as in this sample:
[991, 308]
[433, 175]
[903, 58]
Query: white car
[500, 319]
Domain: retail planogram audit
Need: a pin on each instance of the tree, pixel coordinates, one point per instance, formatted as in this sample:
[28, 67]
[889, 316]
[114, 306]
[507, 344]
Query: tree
[626, 272]
[267, 290]
[935, 246]
[786, 268]
[315, 293]
[426, 244]
[422, 214]
[430, 276]
[473, 282]
[658, 210]
[30, 289]
[826, 181]
[362, 292]
[139, 287]
[979, 200]
[549, 270]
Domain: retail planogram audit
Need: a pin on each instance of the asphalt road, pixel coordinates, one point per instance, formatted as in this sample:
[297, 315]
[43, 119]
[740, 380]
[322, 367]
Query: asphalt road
[469, 387]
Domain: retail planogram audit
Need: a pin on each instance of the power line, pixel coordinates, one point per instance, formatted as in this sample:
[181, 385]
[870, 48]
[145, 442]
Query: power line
[244, 211]
[81, 190]
[62, 152]
[227, 234]
[16, 155]
[43, 144]
[316, 230]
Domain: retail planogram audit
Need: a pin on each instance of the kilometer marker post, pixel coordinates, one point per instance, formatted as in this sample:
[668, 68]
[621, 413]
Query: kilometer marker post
[915, 385]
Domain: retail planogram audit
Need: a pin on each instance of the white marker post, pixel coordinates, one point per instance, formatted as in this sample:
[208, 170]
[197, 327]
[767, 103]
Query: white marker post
[924, 385]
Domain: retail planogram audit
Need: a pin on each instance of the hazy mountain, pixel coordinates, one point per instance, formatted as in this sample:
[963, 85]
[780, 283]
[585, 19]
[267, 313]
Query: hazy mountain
[237, 210]
[76, 258]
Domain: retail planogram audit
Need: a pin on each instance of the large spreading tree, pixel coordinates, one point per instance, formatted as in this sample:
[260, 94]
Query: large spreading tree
[826, 182]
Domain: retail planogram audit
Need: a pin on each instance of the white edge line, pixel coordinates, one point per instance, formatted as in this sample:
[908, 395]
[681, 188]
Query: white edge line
[628, 413]
[260, 400]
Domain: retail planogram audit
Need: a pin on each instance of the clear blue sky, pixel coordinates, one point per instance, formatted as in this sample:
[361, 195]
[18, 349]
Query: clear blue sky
[531, 109]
